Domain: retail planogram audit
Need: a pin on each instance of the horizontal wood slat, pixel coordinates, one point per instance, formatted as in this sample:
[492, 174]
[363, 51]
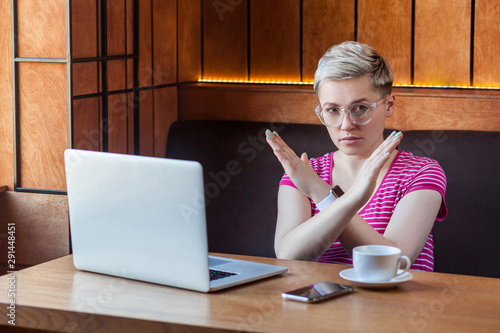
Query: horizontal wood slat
[415, 109]
[246, 103]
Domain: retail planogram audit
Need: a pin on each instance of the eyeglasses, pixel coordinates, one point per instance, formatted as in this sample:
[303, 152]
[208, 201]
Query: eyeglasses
[359, 113]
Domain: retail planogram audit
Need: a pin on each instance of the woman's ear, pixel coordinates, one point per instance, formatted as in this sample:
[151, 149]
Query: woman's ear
[391, 105]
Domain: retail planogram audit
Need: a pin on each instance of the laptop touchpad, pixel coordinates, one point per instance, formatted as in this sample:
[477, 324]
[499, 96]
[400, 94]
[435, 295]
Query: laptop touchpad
[217, 261]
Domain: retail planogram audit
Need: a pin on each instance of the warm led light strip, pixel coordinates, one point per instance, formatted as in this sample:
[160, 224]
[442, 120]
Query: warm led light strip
[441, 86]
[254, 81]
[306, 83]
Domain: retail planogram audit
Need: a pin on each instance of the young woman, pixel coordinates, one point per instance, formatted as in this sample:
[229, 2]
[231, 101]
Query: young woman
[366, 192]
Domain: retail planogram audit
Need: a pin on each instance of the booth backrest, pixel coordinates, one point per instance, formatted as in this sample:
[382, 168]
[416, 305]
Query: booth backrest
[242, 175]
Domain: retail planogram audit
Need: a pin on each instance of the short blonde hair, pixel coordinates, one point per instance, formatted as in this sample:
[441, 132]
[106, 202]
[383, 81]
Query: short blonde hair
[349, 60]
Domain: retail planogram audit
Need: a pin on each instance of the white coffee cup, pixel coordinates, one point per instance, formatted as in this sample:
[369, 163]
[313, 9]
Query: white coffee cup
[378, 262]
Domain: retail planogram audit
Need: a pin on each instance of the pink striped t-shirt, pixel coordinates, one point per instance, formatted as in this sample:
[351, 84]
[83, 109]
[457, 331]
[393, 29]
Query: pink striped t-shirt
[406, 174]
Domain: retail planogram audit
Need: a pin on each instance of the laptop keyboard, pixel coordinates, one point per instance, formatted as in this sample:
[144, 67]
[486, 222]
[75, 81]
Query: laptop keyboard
[215, 275]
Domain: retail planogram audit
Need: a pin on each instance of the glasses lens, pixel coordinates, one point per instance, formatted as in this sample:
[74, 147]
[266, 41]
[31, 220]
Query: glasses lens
[331, 117]
[361, 114]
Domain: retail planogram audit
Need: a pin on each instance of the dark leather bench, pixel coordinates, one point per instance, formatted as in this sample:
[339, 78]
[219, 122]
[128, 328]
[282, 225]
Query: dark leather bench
[242, 174]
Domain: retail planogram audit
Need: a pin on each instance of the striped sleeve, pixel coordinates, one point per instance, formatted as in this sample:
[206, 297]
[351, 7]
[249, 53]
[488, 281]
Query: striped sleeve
[428, 175]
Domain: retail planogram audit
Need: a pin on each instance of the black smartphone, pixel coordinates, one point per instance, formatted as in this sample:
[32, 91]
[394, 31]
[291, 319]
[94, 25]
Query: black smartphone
[317, 292]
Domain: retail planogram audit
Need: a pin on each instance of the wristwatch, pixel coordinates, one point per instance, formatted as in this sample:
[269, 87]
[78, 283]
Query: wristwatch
[335, 193]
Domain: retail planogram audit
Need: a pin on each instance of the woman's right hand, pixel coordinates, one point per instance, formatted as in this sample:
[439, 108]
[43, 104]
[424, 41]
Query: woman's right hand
[298, 169]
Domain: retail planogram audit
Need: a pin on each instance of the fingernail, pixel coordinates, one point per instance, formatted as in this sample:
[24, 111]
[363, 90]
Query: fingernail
[277, 149]
[392, 134]
[397, 136]
[275, 133]
[387, 154]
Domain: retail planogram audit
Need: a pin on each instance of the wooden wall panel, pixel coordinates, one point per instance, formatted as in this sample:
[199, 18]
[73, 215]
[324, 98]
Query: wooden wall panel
[129, 25]
[85, 78]
[116, 37]
[164, 42]
[442, 42]
[189, 40]
[165, 113]
[325, 23]
[131, 124]
[145, 40]
[117, 123]
[84, 28]
[117, 74]
[37, 38]
[275, 40]
[225, 39]
[6, 135]
[386, 26]
[146, 123]
[130, 73]
[43, 124]
[87, 124]
[486, 43]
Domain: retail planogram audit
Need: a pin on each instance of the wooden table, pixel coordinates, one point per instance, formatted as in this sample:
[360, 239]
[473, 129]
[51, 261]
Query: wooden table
[56, 296]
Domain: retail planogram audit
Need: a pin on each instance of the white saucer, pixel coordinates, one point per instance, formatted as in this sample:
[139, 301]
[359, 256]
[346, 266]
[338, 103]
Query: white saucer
[350, 275]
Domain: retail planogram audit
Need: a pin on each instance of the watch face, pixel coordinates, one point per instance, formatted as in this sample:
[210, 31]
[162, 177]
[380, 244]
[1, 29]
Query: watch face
[337, 191]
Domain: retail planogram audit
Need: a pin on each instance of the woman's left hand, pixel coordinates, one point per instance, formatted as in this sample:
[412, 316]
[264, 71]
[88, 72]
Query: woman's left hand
[366, 181]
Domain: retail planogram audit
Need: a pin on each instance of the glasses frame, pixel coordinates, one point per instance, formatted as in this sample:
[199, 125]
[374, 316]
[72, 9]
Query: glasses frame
[371, 105]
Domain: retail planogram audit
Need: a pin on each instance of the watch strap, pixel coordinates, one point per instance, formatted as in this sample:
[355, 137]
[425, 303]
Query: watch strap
[335, 193]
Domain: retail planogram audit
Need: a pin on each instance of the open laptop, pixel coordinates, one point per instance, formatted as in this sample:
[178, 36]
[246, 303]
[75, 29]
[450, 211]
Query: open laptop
[143, 218]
